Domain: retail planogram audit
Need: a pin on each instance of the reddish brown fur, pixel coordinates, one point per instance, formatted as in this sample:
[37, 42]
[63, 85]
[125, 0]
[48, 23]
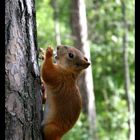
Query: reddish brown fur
[63, 104]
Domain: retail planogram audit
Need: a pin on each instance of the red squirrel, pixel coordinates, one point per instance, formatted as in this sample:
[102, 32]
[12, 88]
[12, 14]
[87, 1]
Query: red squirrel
[63, 102]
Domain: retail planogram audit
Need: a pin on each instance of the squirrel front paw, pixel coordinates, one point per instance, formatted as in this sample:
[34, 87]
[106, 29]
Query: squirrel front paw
[49, 52]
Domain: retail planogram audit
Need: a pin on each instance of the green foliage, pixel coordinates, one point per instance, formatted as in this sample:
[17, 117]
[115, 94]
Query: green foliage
[108, 68]
[45, 23]
[106, 28]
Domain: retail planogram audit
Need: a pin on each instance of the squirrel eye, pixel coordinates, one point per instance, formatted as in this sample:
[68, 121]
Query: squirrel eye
[71, 55]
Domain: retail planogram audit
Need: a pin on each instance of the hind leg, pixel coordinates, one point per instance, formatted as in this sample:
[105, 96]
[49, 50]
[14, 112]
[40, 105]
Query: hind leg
[51, 132]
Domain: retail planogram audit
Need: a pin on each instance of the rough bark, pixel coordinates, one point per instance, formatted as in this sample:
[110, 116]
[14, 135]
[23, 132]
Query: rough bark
[22, 78]
[127, 75]
[79, 31]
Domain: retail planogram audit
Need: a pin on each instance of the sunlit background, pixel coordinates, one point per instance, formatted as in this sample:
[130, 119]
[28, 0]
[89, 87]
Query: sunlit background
[110, 26]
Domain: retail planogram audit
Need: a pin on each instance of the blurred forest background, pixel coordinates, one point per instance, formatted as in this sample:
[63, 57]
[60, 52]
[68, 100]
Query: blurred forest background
[111, 33]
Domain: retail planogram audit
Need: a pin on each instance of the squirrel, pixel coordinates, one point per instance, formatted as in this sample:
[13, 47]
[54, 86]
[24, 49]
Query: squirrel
[63, 103]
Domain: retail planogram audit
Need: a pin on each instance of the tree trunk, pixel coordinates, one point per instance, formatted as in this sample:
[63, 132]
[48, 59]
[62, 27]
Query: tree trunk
[127, 76]
[79, 30]
[22, 79]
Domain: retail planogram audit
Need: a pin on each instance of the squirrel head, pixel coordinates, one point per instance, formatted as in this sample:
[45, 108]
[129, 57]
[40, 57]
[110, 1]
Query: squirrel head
[71, 58]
